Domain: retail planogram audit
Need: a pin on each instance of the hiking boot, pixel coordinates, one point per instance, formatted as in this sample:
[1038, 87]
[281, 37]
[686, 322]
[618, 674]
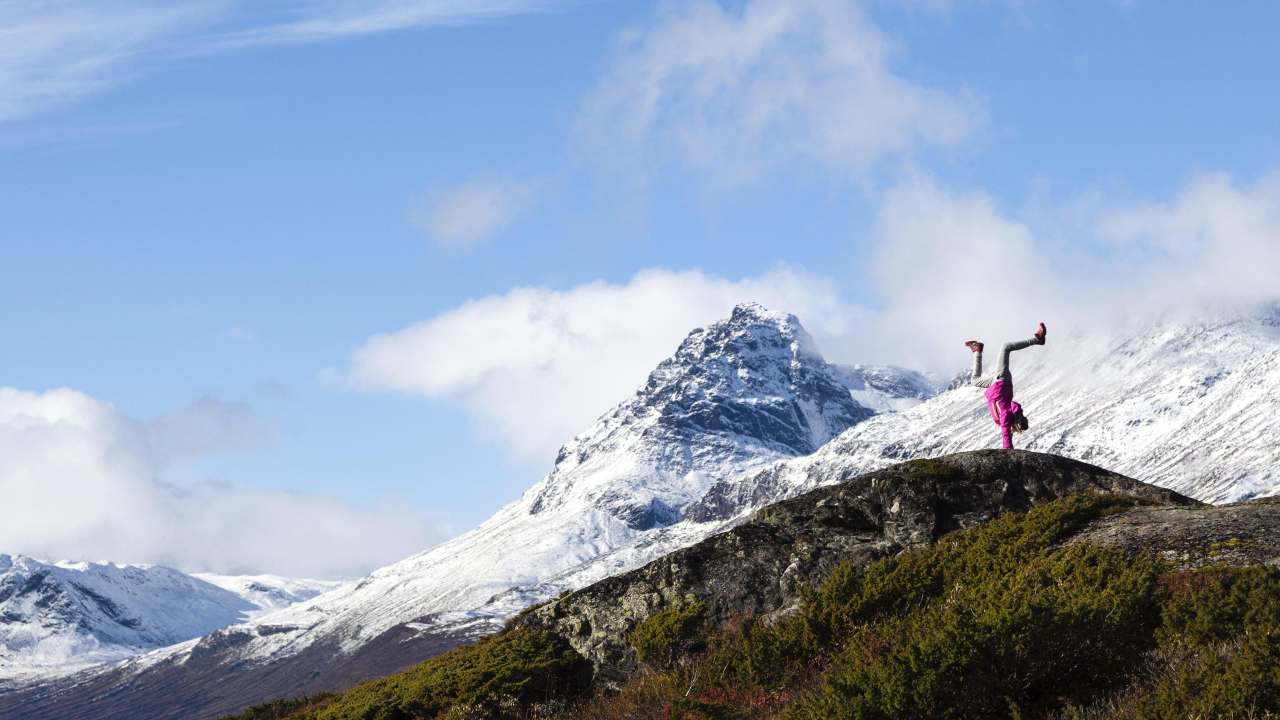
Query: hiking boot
[1040, 333]
[974, 345]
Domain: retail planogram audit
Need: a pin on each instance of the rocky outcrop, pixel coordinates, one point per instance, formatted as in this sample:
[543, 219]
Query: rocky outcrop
[760, 566]
[1246, 533]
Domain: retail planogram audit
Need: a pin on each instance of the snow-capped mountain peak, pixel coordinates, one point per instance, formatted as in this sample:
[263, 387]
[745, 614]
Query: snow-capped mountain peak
[749, 389]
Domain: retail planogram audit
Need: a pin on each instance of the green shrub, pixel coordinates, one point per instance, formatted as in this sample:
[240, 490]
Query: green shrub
[753, 655]
[663, 637]
[1217, 603]
[910, 580]
[285, 709]
[496, 677]
[1065, 623]
[990, 620]
[1239, 678]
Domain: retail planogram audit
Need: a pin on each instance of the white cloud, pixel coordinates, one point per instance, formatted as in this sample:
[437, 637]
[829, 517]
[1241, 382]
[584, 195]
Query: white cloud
[948, 265]
[54, 52]
[329, 20]
[81, 480]
[1217, 243]
[464, 215]
[538, 365]
[734, 92]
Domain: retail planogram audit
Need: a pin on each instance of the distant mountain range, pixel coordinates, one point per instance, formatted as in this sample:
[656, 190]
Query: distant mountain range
[745, 413]
[57, 617]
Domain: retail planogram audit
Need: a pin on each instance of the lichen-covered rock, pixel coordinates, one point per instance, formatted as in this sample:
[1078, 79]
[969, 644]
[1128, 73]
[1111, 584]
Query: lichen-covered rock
[1246, 533]
[760, 566]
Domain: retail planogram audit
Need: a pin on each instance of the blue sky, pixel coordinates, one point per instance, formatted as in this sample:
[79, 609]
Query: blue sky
[271, 232]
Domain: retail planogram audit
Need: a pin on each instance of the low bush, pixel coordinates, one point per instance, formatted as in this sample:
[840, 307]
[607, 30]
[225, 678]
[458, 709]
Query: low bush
[498, 677]
[1217, 603]
[286, 709]
[660, 639]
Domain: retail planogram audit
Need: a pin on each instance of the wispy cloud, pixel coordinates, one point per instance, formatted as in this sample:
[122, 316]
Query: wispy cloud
[735, 92]
[330, 20]
[469, 213]
[54, 52]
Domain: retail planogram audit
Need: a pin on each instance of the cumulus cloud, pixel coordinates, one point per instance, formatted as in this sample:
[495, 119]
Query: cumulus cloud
[952, 260]
[946, 264]
[464, 215]
[538, 365]
[1216, 243]
[81, 480]
[734, 91]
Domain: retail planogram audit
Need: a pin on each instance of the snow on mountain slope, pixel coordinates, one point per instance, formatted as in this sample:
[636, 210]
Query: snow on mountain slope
[1194, 407]
[56, 617]
[736, 396]
[887, 389]
[269, 592]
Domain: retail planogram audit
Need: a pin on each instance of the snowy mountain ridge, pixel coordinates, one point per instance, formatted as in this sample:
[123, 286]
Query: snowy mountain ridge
[57, 617]
[1190, 406]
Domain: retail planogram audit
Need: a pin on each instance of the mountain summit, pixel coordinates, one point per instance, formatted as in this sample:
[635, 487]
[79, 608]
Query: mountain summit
[746, 390]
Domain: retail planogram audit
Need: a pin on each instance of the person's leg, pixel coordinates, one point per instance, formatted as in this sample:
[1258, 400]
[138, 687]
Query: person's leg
[1002, 372]
[975, 376]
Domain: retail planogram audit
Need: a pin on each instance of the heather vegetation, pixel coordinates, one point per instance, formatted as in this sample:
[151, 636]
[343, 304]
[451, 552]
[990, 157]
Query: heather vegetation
[1004, 621]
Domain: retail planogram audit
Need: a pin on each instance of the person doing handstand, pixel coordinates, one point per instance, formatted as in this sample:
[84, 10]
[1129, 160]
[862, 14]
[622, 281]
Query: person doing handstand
[1006, 413]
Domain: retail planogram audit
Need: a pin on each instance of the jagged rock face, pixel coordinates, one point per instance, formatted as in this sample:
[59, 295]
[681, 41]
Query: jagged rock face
[760, 566]
[739, 392]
